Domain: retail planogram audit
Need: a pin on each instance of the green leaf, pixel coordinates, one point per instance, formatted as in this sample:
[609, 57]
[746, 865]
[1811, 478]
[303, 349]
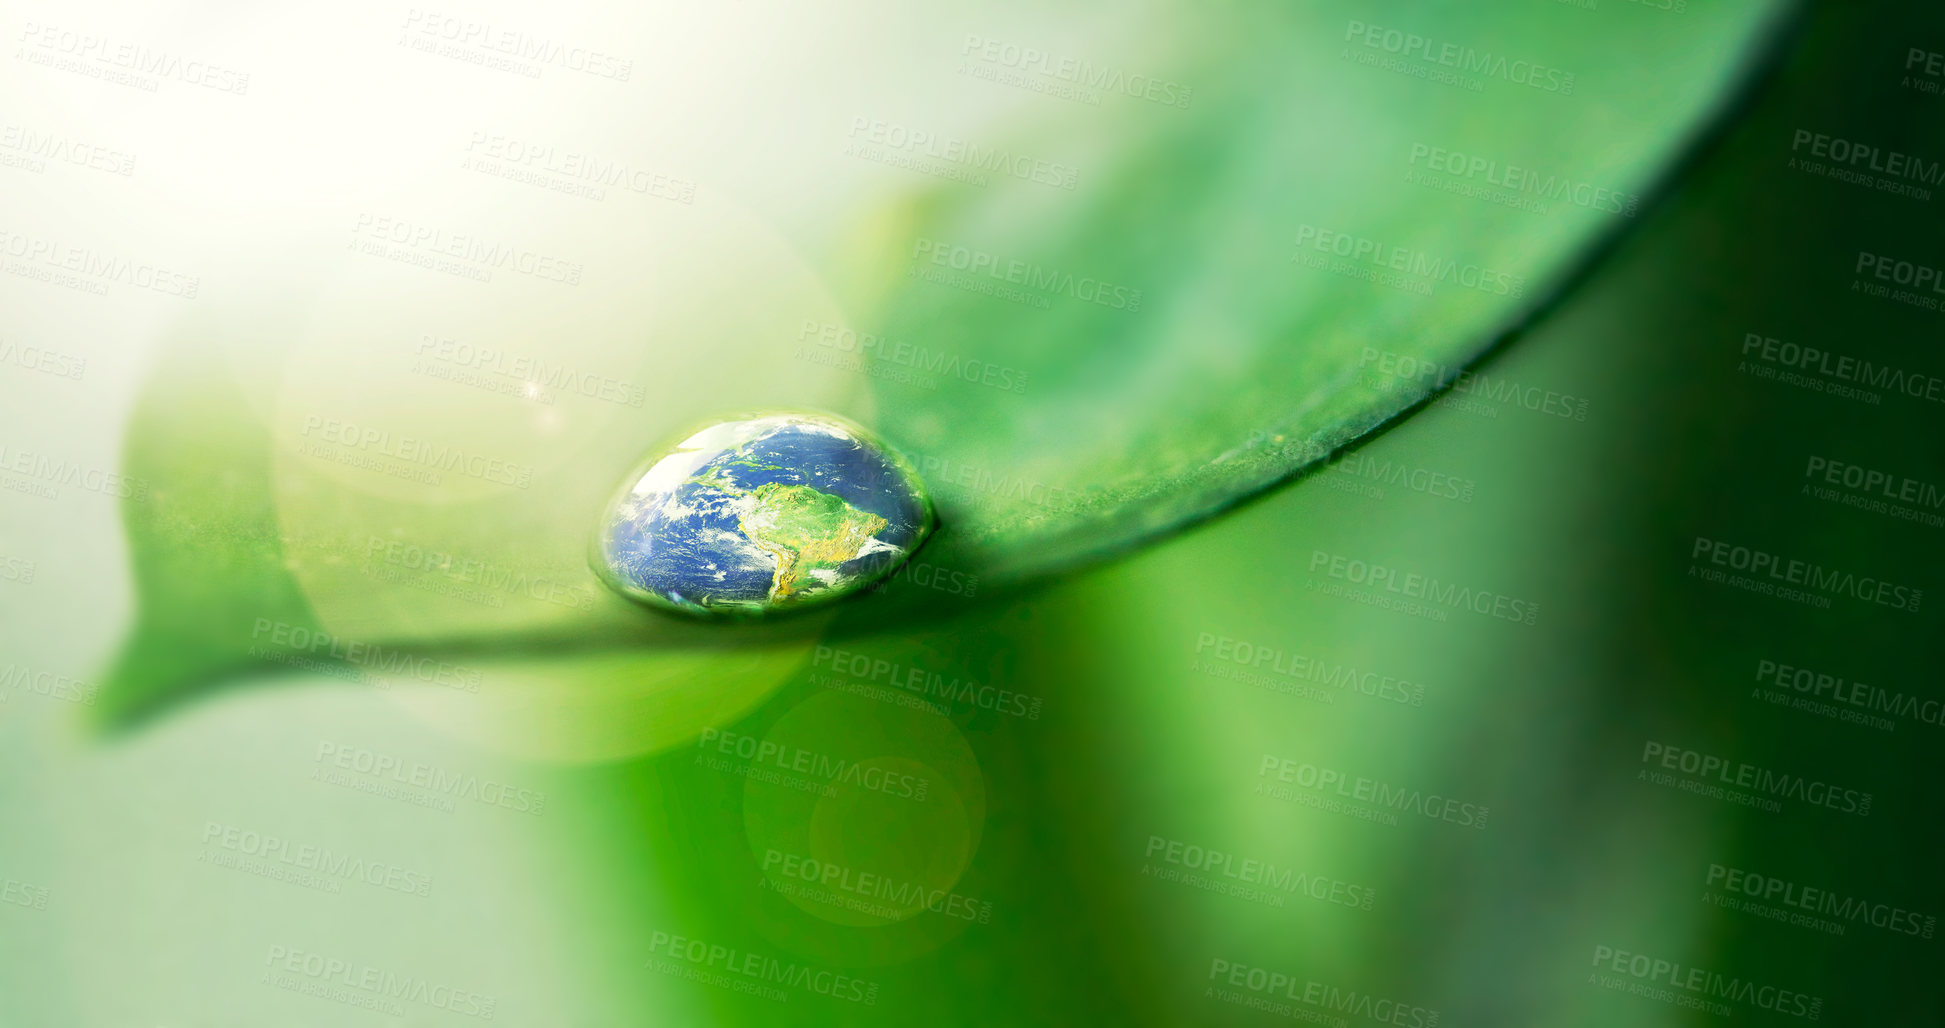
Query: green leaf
[1213, 357]
[389, 471]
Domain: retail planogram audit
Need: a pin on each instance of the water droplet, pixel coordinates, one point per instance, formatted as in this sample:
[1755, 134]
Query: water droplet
[764, 512]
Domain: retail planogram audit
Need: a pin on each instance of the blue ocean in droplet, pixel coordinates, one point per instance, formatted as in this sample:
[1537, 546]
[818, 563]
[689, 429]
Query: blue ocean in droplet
[764, 513]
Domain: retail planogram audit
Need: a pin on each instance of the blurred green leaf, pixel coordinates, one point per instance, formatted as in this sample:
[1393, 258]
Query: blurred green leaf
[1217, 356]
[1234, 288]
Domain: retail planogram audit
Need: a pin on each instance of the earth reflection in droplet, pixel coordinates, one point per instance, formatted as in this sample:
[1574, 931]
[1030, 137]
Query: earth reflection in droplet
[763, 513]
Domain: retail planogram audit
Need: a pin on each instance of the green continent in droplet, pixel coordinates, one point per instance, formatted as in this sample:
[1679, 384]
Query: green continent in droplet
[805, 529]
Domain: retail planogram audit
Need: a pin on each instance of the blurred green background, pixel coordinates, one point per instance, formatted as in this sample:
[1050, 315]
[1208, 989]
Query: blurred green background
[1107, 772]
